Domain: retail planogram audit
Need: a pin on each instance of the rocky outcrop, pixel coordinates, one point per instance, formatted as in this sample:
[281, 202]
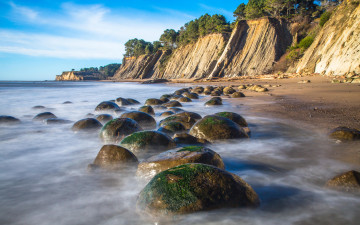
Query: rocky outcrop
[78, 76]
[253, 48]
[336, 49]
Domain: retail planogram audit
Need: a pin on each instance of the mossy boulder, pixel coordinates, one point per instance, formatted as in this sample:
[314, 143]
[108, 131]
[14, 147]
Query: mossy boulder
[8, 120]
[153, 101]
[122, 102]
[166, 114]
[194, 187]
[44, 116]
[181, 91]
[86, 125]
[191, 95]
[228, 90]
[347, 182]
[146, 121]
[237, 95]
[186, 121]
[209, 88]
[107, 106]
[147, 109]
[169, 159]
[171, 128]
[166, 96]
[164, 100]
[215, 93]
[113, 157]
[214, 101]
[193, 115]
[198, 90]
[234, 117]
[55, 121]
[104, 118]
[175, 109]
[182, 139]
[185, 99]
[144, 141]
[214, 128]
[133, 101]
[345, 134]
[115, 130]
[172, 103]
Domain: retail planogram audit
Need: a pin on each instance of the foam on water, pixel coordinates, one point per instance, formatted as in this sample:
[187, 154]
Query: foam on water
[44, 177]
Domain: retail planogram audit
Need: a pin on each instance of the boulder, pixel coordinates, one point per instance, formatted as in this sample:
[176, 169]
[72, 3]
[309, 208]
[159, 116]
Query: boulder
[228, 90]
[146, 121]
[8, 120]
[187, 139]
[169, 159]
[115, 130]
[214, 128]
[113, 157]
[107, 106]
[67, 102]
[214, 101]
[185, 99]
[181, 91]
[194, 187]
[144, 141]
[347, 182]
[215, 93]
[172, 103]
[171, 128]
[345, 134]
[56, 121]
[166, 114]
[193, 115]
[122, 102]
[191, 95]
[147, 109]
[38, 107]
[164, 100]
[175, 109]
[153, 101]
[44, 116]
[234, 117]
[198, 90]
[237, 95]
[104, 118]
[133, 101]
[87, 125]
[186, 121]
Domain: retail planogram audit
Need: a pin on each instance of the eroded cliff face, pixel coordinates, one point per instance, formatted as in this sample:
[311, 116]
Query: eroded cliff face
[78, 76]
[336, 49]
[253, 48]
[68, 76]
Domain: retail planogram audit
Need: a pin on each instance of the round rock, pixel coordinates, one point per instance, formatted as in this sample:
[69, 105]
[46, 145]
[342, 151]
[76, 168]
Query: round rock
[214, 128]
[237, 95]
[172, 103]
[171, 128]
[194, 187]
[107, 106]
[133, 101]
[214, 101]
[88, 124]
[146, 121]
[115, 130]
[104, 118]
[347, 182]
[8, 120]
[147, 109]
[234, 117]
[122, 102]
[185, 99]
[144, 141]
[113, 157]
[56, 121]
[186, 121]
[169, 159]
[44, 116]
[153, 101]
[345, 134]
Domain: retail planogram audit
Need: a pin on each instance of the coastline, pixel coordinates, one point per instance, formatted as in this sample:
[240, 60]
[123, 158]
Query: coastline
[319, 105]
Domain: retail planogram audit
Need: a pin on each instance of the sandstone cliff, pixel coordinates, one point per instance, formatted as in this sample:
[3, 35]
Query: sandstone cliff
[78, 76]
[336, 49]
[253, 48]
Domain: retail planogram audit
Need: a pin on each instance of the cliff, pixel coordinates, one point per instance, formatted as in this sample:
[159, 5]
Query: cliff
[336, 49]
[253, 48]
[78, 76]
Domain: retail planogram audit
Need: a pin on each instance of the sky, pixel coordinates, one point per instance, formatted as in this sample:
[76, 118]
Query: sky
[41, 38]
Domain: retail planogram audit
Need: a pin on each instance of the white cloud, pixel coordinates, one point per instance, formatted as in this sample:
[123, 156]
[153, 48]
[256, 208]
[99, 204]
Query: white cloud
[23, 12]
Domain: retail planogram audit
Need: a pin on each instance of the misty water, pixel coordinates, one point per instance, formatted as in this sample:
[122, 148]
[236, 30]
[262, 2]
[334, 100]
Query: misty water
[44, 177]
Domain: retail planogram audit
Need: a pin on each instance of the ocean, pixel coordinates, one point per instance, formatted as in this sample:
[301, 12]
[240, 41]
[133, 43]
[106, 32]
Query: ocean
[44, 177]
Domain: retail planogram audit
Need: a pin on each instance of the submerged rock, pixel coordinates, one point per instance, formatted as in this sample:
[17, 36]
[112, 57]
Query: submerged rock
[38, 107]
[214, 128]
[187, 139]
[186, 121]
[172, 103]
[169, 159]
[194, 187]
[214, 101]
[8, 120]
[185, 99]
[122, 102]
[44, 116]
[191, 95]
[133, 101]
[104, 118]
[113, 157]
[57, 121]
[171, 128]
[88, 124]
[237, 95]
[347, 182]
[153, 101]
[234, 117]
[107, 106]
[146, 121]
[345, 134]
[144, 141]
[115, 130]
[147, 109]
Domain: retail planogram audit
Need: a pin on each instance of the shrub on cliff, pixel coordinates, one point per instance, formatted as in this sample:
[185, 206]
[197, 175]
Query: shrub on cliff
[324, 18]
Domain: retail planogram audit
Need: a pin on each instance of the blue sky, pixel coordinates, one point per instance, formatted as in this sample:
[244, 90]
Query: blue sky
[40, 39]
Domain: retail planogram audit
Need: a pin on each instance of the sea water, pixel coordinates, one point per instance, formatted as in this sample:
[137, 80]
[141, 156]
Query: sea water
[44, 177]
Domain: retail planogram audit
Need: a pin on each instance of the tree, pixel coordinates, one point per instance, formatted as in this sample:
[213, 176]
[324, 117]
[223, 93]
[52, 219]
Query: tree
[156, 46]
[239, 13]
[275, 7]
[255, 9]
[168, 38]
